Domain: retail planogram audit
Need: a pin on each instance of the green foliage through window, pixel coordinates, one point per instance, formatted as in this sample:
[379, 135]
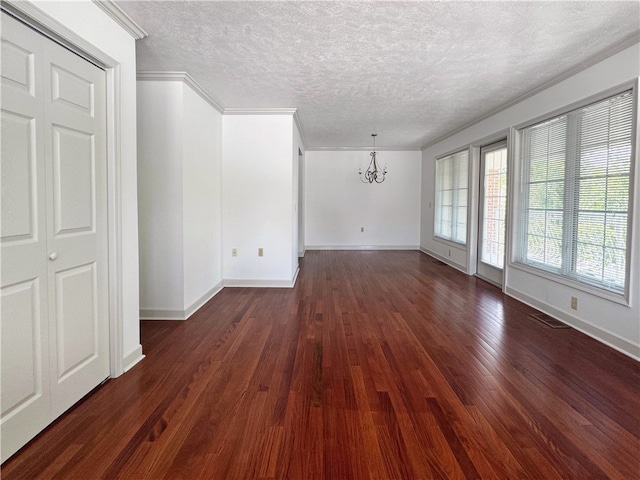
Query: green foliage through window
[573, 209]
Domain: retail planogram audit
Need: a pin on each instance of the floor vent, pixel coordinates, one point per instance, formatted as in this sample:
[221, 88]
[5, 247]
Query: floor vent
[549, 321]
[438, 262]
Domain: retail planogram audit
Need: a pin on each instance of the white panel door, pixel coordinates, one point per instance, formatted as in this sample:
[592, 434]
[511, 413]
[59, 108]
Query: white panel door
[24, 328]
[75, 158]
[54, 325]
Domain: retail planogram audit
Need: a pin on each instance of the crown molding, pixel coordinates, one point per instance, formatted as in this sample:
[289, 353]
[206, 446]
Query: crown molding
[153, 76]
[260, 111]
[121, 18]
[626, 42]
[270, 111]
[157, 76]
[362, 149]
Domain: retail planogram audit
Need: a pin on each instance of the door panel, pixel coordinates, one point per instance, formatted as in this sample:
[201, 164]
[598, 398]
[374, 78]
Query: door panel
[55, 327]
[71, 89]
[73, 171]
[21, 346]
[75, 125]
[24, 328]
[18, 67]
[77, 321]
[19, 167]
[492, 208]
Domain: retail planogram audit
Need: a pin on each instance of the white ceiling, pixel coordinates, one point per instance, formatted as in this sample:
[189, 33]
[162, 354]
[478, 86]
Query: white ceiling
[410, 71]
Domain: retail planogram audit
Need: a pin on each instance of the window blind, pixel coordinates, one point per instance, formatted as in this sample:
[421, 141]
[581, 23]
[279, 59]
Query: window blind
[451, 197]
[575, 193]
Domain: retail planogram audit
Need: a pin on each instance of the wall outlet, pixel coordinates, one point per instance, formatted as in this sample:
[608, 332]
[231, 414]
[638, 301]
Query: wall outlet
[574, 303]
[449, 252]
[362, 229]
[234, 252]
[260, 252]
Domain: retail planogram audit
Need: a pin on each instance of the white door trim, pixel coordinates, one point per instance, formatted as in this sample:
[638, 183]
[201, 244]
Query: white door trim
[29, 14]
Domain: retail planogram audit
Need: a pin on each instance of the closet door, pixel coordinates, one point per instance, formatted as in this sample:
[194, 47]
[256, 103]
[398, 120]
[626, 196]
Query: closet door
[25, 394]
[55, 331]
[76, 199]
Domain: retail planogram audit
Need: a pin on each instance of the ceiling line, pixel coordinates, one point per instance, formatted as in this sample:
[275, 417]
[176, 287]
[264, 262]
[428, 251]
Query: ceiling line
[626, 42]
[157, 76]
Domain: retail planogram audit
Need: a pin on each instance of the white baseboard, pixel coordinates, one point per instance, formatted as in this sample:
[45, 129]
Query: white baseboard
[446, 260]
[362, 247]
[176, 314]
[608, 338]
[181, 315]
[241, 282]
[161, 314]
[301, 254]
[203, 299]
[132, 358]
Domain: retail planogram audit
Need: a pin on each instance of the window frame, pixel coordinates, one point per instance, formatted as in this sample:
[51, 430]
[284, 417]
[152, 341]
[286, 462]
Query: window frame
[436, 235]
[518, 179]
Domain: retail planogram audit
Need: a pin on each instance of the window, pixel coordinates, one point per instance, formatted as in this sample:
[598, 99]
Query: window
[451, 197]
[573, 205]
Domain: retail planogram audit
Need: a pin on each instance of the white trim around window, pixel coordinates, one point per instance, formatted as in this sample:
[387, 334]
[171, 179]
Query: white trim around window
[573, 197]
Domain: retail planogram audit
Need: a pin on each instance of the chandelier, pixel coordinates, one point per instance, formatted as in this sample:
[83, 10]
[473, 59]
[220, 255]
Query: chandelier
[373, 173]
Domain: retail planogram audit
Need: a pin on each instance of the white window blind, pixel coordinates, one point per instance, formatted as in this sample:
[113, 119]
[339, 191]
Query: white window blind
[575, 193]
[451, 197]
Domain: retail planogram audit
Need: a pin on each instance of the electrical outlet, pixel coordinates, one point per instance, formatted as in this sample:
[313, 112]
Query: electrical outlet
[574, 303]
[260, 252]
[449, 252]
[362, 229]
[234, 252]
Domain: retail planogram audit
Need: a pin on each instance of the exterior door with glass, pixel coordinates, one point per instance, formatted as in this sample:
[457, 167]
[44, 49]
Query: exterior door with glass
[493, 212]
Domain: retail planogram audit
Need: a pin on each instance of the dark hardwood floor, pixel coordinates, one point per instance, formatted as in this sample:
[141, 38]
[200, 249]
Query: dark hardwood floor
[380, 365]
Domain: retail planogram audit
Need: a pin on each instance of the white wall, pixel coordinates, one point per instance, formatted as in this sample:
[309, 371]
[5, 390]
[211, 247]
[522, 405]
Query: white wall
[90, 23]
[615, 324]
[338, 204]
[257, 199]
[202, 196]
[179, 152]
[160, 191]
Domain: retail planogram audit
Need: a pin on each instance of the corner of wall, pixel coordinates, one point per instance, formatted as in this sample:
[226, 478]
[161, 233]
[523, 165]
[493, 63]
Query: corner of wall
[132, 358]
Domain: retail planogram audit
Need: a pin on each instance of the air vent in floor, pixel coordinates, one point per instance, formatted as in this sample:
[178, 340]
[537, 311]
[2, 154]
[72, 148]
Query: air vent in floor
[549, 321]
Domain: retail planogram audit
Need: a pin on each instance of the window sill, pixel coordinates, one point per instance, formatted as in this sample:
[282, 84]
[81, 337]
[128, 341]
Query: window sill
[620, 298]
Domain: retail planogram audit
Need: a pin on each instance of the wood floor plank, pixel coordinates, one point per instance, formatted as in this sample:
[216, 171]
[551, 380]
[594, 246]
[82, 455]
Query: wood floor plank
[376, 365]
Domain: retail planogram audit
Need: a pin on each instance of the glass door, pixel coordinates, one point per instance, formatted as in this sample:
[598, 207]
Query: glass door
[493, 211]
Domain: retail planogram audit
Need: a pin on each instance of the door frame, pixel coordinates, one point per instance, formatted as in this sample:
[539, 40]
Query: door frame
[49, 27]
[497, 145]
[474, 191]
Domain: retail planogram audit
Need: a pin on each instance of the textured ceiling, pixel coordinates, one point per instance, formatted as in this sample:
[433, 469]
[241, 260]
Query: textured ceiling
[410, 71]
